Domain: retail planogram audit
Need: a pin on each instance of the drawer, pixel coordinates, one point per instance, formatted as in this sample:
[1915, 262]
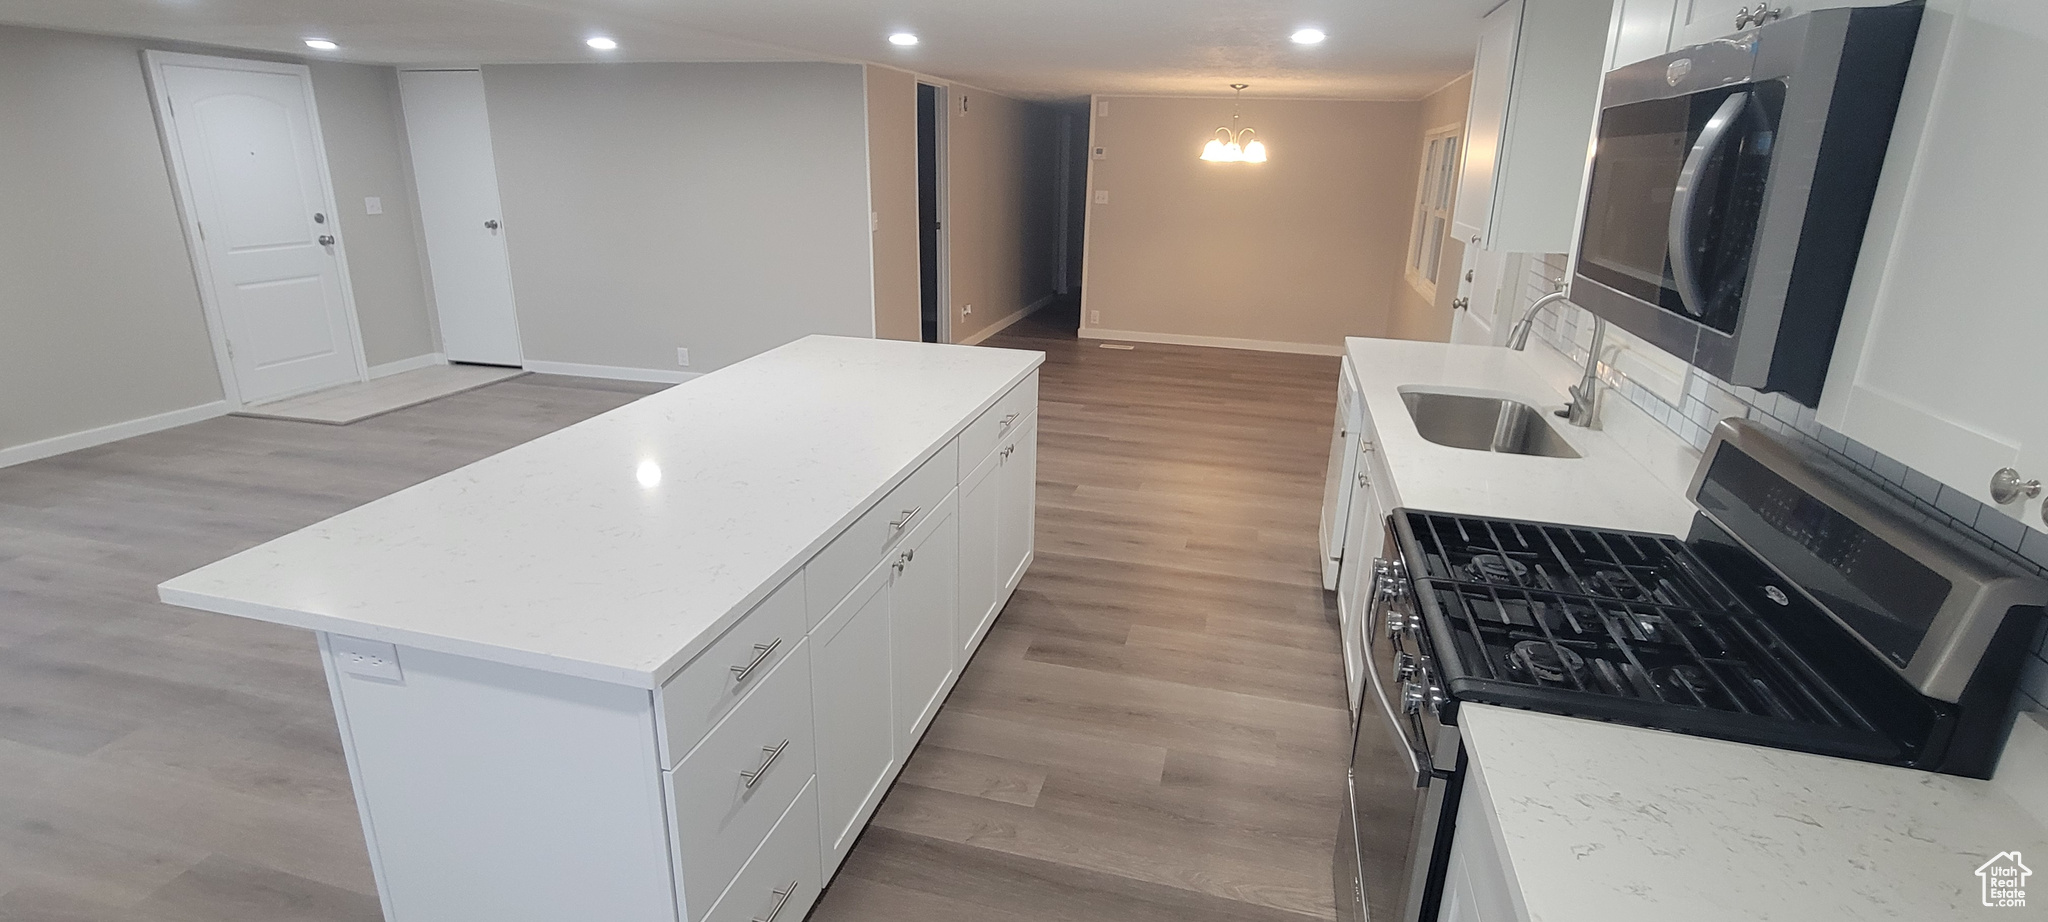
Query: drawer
[721, 816]
[694, 699]
[848, 558]
[782, 880]
[982, 436]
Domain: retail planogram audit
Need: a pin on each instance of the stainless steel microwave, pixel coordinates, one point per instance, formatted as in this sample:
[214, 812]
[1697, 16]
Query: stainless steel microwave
[1729, 189]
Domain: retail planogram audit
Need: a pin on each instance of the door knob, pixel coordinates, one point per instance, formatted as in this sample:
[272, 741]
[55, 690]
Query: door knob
[491, 224]
[2006, 486]
[327, 240]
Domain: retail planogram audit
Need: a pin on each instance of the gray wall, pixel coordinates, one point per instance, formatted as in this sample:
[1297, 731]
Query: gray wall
[719, 207]
[367, 155]
[100, 320]
[99, 313]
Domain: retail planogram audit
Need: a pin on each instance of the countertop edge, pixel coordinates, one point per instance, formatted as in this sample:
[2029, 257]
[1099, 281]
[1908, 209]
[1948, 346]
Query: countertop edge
[649, 674]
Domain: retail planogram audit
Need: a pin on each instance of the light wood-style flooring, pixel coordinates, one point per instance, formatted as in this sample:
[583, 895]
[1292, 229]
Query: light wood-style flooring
[1154, 730]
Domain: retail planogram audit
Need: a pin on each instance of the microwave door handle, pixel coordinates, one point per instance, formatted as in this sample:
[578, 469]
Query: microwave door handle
[1685, 198]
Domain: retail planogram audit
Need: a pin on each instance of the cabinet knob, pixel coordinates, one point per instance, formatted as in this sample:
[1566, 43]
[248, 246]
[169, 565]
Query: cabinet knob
[2006, 487]
[491, 224]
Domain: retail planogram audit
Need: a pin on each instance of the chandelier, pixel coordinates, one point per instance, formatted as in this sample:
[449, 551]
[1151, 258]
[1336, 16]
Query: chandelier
[1234, 145]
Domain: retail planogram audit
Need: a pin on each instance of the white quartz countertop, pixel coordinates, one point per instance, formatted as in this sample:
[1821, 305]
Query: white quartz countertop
[1607, 487]
[1601, 821]
[619, 547]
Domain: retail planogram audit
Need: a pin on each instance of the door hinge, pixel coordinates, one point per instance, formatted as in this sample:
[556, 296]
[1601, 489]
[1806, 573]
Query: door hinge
[231, 349]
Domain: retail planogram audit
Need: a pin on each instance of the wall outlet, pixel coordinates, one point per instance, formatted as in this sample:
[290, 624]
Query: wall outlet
[683, 357]
[1094, 318]
[1101, 196]
[874, 221]
[1099, 153]
[373, 205]
[370, 659]
[966, 310]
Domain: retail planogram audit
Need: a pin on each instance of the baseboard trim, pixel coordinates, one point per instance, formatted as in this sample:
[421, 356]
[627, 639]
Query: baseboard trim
[51, 447]
[1005, 323]
[1214, 342]
[612, 372]
[402, 366]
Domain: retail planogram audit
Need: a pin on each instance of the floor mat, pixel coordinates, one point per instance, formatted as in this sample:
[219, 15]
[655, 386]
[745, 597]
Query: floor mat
[339, 406]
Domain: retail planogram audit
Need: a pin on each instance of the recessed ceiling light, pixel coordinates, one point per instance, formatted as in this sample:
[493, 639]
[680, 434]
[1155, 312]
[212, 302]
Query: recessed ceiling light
[1309, 37]
[321, 44]
[903, 38]
[601, 43]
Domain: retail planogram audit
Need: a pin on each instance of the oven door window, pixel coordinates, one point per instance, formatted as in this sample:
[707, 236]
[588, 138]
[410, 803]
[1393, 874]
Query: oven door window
[1675, 196]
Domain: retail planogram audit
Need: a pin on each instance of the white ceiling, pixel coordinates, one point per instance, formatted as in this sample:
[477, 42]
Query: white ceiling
[1043, 49]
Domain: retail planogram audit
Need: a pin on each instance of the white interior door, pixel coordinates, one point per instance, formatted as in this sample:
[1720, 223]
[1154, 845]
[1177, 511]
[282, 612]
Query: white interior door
[457, 175]
[245, 147]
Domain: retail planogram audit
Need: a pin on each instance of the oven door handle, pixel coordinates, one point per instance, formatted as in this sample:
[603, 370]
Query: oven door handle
[1418, 762]
[1685, 198]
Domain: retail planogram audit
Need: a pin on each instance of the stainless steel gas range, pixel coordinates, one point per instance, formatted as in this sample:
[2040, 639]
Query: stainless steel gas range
[1806, 610]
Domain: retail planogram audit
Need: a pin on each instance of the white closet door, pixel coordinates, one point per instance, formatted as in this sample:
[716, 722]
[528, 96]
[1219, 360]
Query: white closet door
[458, 191]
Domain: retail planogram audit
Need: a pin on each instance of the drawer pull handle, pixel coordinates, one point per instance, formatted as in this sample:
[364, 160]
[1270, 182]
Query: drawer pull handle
[1009, 420]
[1007, 449]
[774, 752]
[761, 653]
[908, 514]
[781, 899]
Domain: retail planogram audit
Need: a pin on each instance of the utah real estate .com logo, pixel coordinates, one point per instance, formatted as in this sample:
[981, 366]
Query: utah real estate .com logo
[2005, 880]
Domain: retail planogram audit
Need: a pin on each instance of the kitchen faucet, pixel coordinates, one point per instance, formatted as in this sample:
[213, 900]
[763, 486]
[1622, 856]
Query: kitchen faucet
[1585, 395]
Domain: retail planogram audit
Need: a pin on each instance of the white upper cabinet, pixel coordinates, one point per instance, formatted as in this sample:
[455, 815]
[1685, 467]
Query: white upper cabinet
[1642, 30]
[1535, 90]
[1939, 363]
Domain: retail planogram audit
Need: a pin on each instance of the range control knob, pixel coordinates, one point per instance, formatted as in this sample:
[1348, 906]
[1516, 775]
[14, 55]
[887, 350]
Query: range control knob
[1412, 697]
[1404, 666]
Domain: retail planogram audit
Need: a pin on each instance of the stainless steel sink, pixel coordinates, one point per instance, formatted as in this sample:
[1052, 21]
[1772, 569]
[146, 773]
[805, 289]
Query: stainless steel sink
[1484, 424]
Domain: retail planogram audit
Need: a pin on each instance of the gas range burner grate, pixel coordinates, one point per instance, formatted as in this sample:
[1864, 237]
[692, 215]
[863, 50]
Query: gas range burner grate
[1610, 614]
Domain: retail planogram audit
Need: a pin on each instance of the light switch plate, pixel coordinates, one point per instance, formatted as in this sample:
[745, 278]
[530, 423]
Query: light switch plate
[371, 659]
[1101, 196]
[683, 357]
[373, 205]
[1102, 108]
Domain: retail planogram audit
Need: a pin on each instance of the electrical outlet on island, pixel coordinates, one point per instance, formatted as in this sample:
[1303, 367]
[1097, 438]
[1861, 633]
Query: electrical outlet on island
[683, 357]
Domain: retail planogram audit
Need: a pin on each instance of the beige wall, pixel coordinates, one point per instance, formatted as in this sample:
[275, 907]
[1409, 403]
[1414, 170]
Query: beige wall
[100, 321]
[1002, 160]
[1302, 250]
[367, 155]
[892, 189]
[718, 207]
[1414, 315]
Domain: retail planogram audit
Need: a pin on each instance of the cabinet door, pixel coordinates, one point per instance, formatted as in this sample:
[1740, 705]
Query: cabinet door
[1493, 73]
[853, 712]
[980, 585]
[1938, 364]
[1642, 30]
[1355, 581]
[1016, 525]
[1337, 479]
[924, 604]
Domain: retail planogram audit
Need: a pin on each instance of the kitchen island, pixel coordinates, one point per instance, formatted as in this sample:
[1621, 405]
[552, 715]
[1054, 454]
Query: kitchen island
[662, 664]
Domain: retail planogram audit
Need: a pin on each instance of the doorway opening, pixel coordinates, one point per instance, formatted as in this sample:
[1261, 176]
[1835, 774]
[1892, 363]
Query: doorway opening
[934, 318]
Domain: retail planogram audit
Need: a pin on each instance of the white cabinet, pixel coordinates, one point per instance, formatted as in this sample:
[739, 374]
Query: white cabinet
[1478, 883]
[1355, 577]
[1338, 477]
[1641, 30]
[924, 607]
[998, 503]
[1535, 90]
[1015, 529]
[854, 714]
[1938, 364]
[981, 589]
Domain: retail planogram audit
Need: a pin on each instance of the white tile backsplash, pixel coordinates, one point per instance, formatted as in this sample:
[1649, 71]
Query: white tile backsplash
[1705, 400]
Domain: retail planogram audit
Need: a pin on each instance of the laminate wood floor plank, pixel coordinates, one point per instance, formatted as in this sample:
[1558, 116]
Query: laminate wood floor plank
[162, 764]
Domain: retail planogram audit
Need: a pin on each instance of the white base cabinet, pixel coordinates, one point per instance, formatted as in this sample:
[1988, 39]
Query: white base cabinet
[1479, 884]
[732, 793]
